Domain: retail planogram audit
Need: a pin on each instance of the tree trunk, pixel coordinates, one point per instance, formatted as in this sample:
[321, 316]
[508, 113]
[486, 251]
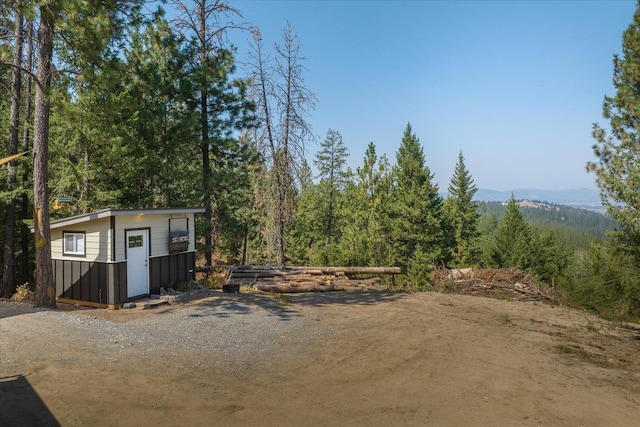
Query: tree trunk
[25, 234]
[84, 192]
[245, 244]
[280, 218]
[204, 125]
[45, 295]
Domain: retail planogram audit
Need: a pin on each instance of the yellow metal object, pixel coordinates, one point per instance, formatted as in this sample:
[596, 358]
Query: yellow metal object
[8, 159]
[60, 203]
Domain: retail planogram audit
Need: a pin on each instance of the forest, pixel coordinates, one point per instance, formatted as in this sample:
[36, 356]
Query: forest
[118, 106]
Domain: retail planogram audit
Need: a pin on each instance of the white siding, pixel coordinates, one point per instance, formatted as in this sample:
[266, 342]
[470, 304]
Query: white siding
[159, 234]
[97, 241]
[98, 237]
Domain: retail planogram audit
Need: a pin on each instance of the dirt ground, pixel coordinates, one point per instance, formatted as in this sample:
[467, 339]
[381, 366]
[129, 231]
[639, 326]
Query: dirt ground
[374, 359]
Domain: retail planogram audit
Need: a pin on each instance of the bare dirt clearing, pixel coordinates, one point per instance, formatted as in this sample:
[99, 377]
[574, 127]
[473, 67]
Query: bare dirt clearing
[319, 359]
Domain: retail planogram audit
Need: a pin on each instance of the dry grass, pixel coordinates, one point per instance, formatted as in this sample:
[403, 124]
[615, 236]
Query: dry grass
[22, 293]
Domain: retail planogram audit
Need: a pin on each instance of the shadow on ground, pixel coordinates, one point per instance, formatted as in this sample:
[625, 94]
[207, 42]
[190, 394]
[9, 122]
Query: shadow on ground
[285, 306]
[21, 406]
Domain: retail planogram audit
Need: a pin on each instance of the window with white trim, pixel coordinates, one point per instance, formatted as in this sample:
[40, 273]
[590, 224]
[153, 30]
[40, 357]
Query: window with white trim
[73, 243]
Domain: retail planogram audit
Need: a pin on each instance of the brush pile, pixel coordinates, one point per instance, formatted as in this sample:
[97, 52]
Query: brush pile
[309, 279]
[502, 283]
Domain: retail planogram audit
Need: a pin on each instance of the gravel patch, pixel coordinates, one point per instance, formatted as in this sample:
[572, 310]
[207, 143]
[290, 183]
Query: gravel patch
[226, 331]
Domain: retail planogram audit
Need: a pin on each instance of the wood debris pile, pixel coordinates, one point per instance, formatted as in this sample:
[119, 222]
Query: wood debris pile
[309, 279]
[502, 283]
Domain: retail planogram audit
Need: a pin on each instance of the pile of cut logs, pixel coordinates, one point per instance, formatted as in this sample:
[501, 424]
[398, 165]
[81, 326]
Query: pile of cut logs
[309, 279]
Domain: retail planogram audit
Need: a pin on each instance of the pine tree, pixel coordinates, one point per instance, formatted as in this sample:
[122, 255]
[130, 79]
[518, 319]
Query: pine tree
[462, 214]
[415, 215]
[85, 30]
[330, 161]
[364, 239]
[618, 175]
[220, 102]
[510, 243]
[549, 258]
[618, 151]
[305, 235]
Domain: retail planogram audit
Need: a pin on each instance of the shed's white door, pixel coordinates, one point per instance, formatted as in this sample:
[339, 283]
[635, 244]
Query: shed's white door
[137, 263]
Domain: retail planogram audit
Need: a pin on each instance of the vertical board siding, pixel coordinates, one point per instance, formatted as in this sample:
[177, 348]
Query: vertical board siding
[114, 291]
[75, 280]
[85, 281]
[122, 282]
[57, 274]
[97, 280]
[155, 277]
[81, 280]
[171, 270]
[104, 283]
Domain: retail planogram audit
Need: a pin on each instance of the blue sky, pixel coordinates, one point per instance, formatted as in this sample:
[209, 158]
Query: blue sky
[515, 85]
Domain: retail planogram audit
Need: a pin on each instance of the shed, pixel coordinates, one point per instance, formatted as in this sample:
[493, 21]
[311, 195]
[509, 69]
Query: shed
[112, 256]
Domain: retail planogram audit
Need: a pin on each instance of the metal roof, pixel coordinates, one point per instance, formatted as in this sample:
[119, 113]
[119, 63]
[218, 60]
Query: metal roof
[107, 213]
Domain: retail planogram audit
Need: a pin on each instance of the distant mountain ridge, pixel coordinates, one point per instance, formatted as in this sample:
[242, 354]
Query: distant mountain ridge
[580, 197]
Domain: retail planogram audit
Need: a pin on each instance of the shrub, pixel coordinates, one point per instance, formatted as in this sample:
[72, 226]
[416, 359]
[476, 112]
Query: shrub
[22, 293]
[607, 282]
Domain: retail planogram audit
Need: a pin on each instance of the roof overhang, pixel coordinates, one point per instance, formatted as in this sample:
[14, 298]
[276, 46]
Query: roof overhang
[108, 213]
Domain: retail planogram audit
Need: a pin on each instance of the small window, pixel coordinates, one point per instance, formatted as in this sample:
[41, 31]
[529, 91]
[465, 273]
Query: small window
[135, 241]
[74, 243]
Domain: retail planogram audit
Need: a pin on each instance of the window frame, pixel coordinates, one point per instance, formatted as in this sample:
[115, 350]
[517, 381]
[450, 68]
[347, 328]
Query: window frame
[76, 252]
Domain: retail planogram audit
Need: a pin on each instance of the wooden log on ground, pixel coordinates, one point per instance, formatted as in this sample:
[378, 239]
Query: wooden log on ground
[284, 288]
[357, 282]
[268, 273]
[321, 270]
[210, 268]
[367, 270]
[311, 270]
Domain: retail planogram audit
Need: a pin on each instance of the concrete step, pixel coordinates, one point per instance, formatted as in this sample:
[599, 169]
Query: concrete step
[145, 304]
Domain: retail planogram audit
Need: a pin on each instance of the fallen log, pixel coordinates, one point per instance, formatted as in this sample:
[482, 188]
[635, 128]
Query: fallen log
[283, 288]
[357, 282]
[318, 270]
[271, 273]
[210, 268]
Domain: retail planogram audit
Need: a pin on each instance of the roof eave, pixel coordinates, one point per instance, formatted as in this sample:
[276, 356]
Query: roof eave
[107, 213]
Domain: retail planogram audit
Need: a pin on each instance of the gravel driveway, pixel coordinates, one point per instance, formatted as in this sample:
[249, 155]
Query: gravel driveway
[238, 329]
[327, 359]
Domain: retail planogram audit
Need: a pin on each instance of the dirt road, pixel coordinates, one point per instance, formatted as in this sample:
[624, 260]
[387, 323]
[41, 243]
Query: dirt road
[322, 359]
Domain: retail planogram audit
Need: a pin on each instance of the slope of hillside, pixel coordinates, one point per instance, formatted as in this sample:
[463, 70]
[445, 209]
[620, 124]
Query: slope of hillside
[552, 215]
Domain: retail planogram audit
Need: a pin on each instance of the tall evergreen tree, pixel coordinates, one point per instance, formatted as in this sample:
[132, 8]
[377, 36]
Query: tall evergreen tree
[85, 30]
[617, 173]
[45, 285]
[364, 239]
[221, 105]
[510, 244]
[305, 234]
[415, 214]
[158, 126]
[330, 161]
[618, 151]
[462, 214]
